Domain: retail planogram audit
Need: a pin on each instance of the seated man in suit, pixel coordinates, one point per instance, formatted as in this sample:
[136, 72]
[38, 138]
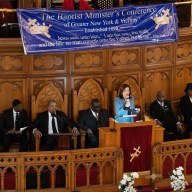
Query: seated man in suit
[90, 120]
[186, 108]
[49, 122]
[10, 123]
[161, 110]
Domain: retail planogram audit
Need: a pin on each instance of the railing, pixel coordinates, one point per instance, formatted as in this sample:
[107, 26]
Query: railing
[61, 170]
[169, 155]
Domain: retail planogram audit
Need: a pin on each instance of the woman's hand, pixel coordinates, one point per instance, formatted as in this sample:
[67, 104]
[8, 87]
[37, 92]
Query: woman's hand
[127, 103]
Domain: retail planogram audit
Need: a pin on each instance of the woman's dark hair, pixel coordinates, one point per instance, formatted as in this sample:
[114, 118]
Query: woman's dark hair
[121, 89]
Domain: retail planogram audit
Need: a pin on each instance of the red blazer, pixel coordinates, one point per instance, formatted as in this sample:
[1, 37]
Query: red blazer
[69, 5]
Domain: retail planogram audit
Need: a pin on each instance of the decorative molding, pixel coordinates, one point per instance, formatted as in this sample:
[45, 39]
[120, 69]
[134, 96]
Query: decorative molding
[38, 85]
[16, 85]
[180, 71]
[158, 54]
[164, 75]
[89, 90]
[49, 62]
[11, 63]
[92, 60]
[118, 80]
[126, 57]
[184, 51]
[78, 82]
[47, 93]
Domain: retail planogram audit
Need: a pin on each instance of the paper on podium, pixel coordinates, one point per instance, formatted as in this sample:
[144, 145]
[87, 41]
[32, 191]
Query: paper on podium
[129, 115]
[22, 129]
[59, 134]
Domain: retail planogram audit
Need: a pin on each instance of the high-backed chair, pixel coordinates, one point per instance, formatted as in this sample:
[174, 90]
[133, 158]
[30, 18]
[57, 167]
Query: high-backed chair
[39, 104]
[82, 97]
[137, 92]
[11, 90]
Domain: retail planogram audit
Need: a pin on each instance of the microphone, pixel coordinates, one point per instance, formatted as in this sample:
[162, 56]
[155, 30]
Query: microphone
[128, 108]
[53, 114]
[114, 129]
[58, 117]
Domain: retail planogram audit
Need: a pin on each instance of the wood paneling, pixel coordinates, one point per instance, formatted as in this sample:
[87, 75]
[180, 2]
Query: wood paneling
[12, 89]
[82, 96]
[184, 52]
[183, 75]
[49, 64]
[156, 80]
[88, 62]
[158, 55]
[125, 58]
[166, 67]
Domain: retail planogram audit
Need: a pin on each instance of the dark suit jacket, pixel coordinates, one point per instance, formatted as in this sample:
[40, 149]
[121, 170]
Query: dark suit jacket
[41, 122]
[87, 120]
[165, 114]
[186, 110]
[7, 121]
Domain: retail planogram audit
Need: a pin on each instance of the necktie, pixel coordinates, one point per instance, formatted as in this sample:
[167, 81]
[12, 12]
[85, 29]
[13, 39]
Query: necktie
[162, 105]
[17, 121]
[53, 125]
[97, 116]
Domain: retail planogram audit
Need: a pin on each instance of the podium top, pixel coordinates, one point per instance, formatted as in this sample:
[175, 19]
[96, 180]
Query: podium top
[62, 134]
[130, 115]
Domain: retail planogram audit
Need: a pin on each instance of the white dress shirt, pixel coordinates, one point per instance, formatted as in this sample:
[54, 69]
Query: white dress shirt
[96, 115]
[50, 128]
[14, 118]
[161, 103]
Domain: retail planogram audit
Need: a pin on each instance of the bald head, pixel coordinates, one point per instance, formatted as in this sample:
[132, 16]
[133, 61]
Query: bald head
[160, 96]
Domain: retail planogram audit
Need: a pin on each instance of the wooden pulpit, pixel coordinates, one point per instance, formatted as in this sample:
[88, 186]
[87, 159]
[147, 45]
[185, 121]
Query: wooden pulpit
[137, 141]
[110, 136]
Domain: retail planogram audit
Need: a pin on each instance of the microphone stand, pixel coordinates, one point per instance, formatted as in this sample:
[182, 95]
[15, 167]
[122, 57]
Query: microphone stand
[113, 129]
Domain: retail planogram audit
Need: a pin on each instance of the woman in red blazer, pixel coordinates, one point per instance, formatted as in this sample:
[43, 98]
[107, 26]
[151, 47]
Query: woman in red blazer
[76, 5]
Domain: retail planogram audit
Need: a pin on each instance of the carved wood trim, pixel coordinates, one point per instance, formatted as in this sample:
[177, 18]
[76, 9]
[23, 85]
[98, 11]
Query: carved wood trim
[49, 63]
[156, 55]
[38, 163]
[122, 58]
[92, 61]
[184, 52]
[89, 90]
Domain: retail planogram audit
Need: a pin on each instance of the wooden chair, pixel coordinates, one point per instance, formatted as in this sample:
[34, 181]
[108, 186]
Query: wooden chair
[82, 97]
[175, 105]
[137, 92]
[39, 104]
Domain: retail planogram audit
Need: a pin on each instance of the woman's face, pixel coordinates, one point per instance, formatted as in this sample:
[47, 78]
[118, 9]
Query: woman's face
[126, 93]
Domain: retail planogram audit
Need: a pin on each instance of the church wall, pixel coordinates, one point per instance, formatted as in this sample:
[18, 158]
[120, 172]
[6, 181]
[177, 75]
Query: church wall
[165, 67]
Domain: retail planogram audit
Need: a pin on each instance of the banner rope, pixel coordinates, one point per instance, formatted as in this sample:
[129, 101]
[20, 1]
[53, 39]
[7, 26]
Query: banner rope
[5, 10]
